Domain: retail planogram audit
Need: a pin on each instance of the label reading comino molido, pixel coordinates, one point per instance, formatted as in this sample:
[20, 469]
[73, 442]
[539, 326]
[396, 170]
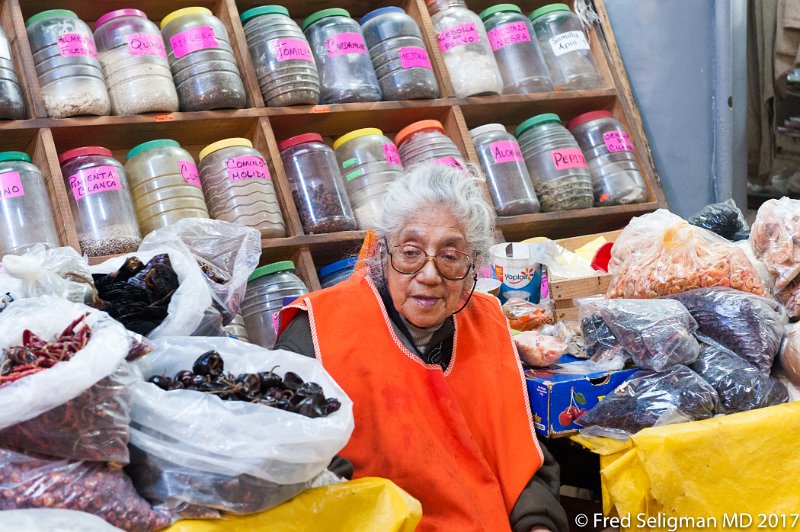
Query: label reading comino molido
[246, 167]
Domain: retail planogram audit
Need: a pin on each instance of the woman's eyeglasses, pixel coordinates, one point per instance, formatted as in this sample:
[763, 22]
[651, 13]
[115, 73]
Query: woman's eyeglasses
[451, 264]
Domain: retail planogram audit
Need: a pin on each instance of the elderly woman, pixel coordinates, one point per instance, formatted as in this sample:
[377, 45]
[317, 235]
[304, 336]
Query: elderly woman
[441, 406]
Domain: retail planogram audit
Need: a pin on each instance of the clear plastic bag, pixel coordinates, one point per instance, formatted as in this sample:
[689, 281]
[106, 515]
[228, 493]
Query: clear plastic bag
[750, 326]
[538, 350]
[560, 262]
[599, 342]
[724, 219]
[656, 333]
[738, 383]
[649, 399]
[641, 233]
[45, 271]
[524, 316]
[53, 520]
[775, 239]
[790, 353]
[789, 297]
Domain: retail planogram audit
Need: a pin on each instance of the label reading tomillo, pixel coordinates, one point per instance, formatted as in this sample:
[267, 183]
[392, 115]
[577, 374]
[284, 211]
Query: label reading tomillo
[186, 42]
[390, 152]
[189, 172]
[569, 42]
[72, 44]
[567, 158]
[345, 43]
[508, 34]
[414, 57]
[456, 36]
[146, 44]
[617, 141]
[10, 185]
[291, 49]
[506, 151]
[247, 167]
[94, 181]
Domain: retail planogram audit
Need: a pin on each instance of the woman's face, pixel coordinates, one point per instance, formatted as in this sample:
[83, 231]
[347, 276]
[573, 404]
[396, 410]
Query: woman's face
[426, 299]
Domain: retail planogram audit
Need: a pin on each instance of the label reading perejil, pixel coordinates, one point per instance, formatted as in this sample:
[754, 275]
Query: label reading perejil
[567, 158]
[569, 42]
[72, 44]
[192, 40]
[94, 181]
[456, 36]
[345, 43]
[10, 185]
[246, 167]
[414, 57]
[508, 34]
[506, 151]
[392, 157]
[448, 161]
[291, 49]
[189, 172]
[146, 44]
[617, 141]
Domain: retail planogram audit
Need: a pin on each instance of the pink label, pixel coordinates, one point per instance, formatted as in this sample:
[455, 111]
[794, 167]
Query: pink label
[566, 158]
[448, 161]
[192, 40]
[146, 44]
[71, 44]
[189, 172]
[291, 50]
[508, 34]
[455, 36]
[246, 167]
[617, 141]
[94, 180]
[10, 185]
[345, 43]
[506, 151]
[414, 57]
[390, 152]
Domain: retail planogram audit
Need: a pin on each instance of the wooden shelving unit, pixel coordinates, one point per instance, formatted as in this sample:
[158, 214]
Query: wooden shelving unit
[43, 138]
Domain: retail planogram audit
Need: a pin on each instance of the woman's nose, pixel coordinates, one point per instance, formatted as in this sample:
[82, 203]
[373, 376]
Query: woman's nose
[429, 273]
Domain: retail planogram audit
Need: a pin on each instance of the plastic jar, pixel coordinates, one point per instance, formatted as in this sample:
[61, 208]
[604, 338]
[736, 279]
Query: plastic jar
[165, 184]
[369, 162]
[337, 272]
[202, 62]
[555, 163]
[100, 201]
[345, 69]
[425, 141]
[65, 58]
[12, 105]
[236, 329]
[238, 186]
[398, 54]
[565, 48]
[516, 50]
[134, 62]
[285, 68]
[24, 205]
[317, 186]
[465, 48]
[266, 289]
[610, 155]
[506, 174]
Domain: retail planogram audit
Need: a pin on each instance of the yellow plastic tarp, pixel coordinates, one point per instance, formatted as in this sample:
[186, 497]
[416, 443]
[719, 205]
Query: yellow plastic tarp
[742, 467]
[363, 504]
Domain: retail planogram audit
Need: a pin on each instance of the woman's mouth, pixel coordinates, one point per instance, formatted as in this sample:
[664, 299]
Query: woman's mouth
[426, 302]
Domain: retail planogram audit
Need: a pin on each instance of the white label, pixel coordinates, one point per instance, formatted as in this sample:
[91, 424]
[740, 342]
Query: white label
[570, 41]
[5, 52]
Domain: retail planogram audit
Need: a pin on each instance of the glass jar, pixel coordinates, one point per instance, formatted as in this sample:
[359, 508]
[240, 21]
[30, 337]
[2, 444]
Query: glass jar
[506, 174]
[516, 50]
[165, 184]
[345, 69]
[65, 58]
[369, 162]
[134, 62]
[285, 68]
[238, 187]
[336, 272]
[202, 62]
[12, 105]
[425, 141]
[609, 153]
[100, 201]
[317, 187]
[266, 289]
[555, 163]
[565, 48]
[24, 205]
[465, 48]
[398, 54]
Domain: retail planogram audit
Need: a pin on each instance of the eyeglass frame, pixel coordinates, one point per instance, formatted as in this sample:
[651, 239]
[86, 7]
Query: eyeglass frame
[429, 258]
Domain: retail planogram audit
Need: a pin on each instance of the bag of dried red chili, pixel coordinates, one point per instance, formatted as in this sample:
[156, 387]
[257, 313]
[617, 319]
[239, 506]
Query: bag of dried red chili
[63, 380]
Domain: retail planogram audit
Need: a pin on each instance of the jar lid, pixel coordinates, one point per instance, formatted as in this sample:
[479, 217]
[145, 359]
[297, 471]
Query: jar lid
[80, 152]
[499, 8]
[263, 10]
[339, 265]
[551, 8]
[356, 134]
[587, 117]
[488, 128]
[224, 143]
[184, 12]
[409, 130]
[14, 156]
[380, 11]
[537, 121]
[50, 13]
[319, 15]
[299, 139]
[151, 145]
[275, 267]
[119, 13]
